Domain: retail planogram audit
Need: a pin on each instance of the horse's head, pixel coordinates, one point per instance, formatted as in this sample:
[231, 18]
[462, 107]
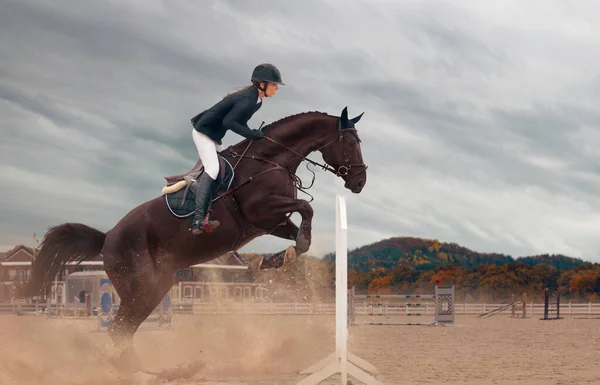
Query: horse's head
[344, 154]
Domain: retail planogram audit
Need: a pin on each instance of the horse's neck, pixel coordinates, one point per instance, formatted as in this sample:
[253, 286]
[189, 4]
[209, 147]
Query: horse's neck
[302, 137]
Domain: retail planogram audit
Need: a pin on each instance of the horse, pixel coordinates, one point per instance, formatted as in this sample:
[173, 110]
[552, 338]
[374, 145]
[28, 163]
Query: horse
[146, 248]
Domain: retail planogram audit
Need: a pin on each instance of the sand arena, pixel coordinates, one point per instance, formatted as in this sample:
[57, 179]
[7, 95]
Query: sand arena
[272, 349]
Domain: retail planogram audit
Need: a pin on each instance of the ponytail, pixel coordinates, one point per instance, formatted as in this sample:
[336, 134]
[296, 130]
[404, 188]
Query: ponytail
[239, 90]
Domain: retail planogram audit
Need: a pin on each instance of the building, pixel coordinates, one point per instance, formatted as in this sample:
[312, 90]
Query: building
[15, 266]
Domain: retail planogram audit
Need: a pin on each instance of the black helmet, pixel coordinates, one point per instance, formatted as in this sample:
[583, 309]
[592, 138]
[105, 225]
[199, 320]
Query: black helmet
[266, 73]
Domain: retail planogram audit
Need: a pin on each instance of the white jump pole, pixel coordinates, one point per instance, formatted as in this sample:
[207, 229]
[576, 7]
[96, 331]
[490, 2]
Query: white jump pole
[342, 361]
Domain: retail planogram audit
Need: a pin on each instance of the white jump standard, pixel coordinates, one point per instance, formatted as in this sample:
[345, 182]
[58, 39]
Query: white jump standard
[439, 305]
[342, 361]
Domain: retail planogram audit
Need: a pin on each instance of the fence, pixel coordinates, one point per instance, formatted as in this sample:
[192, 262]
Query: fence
[22, 308]
[363, 308]
[303, 308]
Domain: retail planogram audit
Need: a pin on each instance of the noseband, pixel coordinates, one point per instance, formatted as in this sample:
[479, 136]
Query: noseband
[343, 170]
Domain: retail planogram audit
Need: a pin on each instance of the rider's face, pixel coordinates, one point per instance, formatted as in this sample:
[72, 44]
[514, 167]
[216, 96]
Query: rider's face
[272, 88]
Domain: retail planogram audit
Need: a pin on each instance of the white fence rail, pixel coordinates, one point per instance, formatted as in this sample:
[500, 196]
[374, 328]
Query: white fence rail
[300, 308]
[303, 308]
[294, 308]
[22, 308]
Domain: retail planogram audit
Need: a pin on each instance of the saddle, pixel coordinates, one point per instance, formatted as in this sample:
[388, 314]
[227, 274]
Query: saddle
[177, 182]
[180, 200]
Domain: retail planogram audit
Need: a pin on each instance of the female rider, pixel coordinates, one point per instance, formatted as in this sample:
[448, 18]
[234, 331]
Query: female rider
[210, 126]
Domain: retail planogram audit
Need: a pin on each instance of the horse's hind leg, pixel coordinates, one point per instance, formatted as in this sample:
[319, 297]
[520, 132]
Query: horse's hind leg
[275, 261]
[141, 295]
[129, 317]
[121, 332]
[141, 285]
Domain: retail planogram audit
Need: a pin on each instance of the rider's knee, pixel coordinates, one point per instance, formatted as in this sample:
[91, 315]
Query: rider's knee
[212, 170]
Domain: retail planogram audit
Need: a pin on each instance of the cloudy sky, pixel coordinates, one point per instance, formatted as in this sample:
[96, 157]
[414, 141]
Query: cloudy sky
[481, 122]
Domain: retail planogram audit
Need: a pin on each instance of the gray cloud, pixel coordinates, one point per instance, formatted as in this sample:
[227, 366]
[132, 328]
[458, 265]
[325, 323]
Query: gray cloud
[481, 125]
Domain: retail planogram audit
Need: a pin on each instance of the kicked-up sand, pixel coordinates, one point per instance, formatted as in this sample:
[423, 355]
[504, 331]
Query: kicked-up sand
[273, 349]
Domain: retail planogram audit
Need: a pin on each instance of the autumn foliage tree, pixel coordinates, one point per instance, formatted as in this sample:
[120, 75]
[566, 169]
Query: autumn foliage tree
[413, 265]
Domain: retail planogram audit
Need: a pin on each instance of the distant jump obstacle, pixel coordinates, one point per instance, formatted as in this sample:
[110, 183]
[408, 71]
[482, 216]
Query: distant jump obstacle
[88, 294]
[549, 308]
[441, 304]
[522, 305]
[342, 361]
[513, 306]
[161, 317]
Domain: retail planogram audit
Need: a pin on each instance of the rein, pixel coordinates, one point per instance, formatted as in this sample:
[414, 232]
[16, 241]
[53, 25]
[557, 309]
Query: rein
[343, 170]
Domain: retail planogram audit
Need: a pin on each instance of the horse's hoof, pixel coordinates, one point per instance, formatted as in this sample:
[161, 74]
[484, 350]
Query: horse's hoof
[255, 264]
[289, 256]
[126, 361]
[302, 245]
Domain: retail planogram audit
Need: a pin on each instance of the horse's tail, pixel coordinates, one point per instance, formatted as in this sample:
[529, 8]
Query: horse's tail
[69, 242]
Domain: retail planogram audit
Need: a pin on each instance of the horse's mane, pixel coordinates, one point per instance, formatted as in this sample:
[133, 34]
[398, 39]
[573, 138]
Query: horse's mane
[277, 123]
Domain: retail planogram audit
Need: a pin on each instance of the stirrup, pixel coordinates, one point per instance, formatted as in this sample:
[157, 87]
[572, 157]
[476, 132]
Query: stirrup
[207, 226]
[210, 226]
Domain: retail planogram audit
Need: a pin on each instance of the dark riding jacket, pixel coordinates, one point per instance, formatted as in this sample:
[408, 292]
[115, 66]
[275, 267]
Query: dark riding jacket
[231, 113]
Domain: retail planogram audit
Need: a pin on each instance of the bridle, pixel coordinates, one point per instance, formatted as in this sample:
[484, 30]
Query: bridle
[343, 170]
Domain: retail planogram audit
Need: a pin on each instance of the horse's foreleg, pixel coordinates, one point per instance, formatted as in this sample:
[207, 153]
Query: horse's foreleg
[282, 206]
[287, 230]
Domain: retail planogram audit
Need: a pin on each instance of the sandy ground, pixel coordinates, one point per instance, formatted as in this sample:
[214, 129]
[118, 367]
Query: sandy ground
[273, 349]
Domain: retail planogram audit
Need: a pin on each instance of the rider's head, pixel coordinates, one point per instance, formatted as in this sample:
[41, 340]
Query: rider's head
[267, 78]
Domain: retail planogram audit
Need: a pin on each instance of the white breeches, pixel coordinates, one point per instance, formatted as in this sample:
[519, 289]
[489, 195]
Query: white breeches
[207, 150]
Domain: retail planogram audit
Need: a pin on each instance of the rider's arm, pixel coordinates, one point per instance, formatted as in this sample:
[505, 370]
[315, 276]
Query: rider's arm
[237, 114]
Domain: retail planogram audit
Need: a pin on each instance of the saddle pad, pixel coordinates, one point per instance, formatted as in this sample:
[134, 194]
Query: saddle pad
[226, 174]
[183, 206]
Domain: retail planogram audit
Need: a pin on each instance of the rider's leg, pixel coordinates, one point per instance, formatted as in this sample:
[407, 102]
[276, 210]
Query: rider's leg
[203, 187]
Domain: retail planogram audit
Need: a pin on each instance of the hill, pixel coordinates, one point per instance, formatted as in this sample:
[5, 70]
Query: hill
[558, 261]
[429, 254]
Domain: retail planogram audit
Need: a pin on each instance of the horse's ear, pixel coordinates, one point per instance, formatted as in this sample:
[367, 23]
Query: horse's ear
[344, 116]
[357, 118]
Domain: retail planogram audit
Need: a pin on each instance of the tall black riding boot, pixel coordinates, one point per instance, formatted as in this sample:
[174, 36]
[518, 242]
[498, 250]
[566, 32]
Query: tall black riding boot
[203, 188]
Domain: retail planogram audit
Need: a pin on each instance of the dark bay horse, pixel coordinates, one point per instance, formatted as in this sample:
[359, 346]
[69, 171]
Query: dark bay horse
[145, 249]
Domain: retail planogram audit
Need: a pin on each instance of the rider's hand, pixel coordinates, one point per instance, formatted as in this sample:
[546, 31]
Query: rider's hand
[257, 134]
